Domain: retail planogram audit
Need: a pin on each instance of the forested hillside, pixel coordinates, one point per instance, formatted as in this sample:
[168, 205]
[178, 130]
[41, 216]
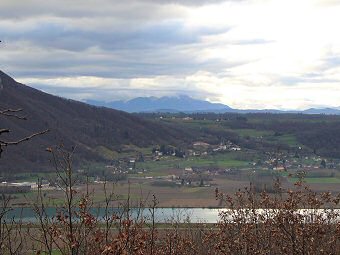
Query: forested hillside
[265, 131]
[73, 124]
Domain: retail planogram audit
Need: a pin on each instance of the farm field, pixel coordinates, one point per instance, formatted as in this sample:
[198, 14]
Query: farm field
[223, 161]
[143, 189]
[320, 180]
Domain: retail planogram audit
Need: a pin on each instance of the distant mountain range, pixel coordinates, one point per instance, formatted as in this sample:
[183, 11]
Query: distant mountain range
[188, 104]
[163, 104]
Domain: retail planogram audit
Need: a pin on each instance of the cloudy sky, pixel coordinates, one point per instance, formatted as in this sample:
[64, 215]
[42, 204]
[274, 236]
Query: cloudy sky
[244, 53]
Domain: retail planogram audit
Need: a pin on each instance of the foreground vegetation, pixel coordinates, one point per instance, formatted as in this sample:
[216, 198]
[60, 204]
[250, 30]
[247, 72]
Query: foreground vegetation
[254, 222]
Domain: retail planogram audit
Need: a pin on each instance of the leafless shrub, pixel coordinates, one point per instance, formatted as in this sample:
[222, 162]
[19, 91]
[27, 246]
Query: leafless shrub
[297, 221]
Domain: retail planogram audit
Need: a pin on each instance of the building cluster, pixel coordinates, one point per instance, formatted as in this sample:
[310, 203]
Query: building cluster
[23, 187]
[202, 148]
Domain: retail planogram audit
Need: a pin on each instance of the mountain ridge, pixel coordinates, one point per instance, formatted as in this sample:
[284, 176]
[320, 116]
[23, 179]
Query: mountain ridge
[181, 103]
[187, 104]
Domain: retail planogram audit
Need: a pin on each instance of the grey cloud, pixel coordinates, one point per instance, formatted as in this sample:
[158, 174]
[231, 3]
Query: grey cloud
[156, 49]
[134, 38]
[77, 39]
[132, 9]
[63, 8]
[79, 8]
[123, 66]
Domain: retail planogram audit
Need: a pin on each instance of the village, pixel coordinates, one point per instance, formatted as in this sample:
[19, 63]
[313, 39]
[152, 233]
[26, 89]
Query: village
[201, 165]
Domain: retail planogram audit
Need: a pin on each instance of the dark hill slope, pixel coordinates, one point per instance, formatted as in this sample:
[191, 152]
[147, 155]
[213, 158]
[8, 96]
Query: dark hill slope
[72, 123]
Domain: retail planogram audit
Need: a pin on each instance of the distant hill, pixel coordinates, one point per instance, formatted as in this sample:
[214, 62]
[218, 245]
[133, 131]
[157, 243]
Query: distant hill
[328, 111]
[188, 104]
[163, 104]
[93, 130]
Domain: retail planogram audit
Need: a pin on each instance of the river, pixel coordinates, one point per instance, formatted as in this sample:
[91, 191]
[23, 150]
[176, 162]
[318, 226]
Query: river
[180, 215]
[162, 215]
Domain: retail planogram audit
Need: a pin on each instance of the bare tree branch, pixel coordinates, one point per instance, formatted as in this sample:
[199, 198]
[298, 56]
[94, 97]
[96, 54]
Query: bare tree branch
[12, 113]
[4, 131]
[4, 143]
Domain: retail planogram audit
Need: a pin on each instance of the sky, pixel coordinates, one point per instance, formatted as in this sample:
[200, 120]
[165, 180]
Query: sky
[247, 54]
